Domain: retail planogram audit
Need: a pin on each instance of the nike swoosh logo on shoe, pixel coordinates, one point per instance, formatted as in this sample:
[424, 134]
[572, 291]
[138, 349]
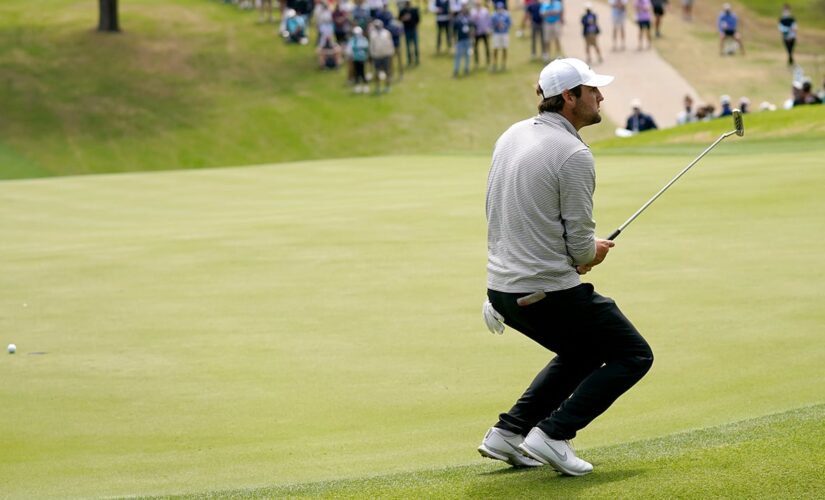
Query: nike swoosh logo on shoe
[563, 458]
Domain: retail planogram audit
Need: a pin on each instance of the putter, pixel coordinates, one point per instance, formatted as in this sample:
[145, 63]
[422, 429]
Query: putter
[739, 130]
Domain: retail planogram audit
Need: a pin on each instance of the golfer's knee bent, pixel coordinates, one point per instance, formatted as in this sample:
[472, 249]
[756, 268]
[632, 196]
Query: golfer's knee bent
[641, 363]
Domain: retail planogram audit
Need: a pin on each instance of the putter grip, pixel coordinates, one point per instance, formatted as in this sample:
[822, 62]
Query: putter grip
[614, 234]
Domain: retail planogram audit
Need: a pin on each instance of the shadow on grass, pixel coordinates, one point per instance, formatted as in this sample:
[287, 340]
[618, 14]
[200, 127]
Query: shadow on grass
[543, 481]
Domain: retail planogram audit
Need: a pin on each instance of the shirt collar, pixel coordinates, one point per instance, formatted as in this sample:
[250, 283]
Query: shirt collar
[551, 118]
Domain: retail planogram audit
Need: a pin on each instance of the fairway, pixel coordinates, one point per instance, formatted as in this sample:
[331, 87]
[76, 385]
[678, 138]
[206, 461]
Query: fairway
[260, 327]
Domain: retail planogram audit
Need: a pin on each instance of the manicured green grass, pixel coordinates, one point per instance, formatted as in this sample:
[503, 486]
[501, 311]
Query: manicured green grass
[779, 456]
[259, 327]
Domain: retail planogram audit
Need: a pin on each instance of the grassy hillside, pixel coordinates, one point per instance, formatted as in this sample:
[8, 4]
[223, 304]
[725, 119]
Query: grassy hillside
[196, 83]
[225, 329]
[761, 75]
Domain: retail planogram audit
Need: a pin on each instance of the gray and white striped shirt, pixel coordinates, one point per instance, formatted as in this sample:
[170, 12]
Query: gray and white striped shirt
[539, 207]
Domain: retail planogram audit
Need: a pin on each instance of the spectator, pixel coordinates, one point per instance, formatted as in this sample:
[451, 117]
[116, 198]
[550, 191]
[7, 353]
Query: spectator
[705, 113]
[381, 51]
[787, 26]
[482, 26]
[361, 15]
[658, 14]
[329, 55]
[526, 18]
[396, 28]
[462, 30]
[410, 17]
[341, 23]
[590, 31]
[724, 102]
[441, 8]
[375, 6]
[295, 31]
[806, 96]
[687, 115]
[687, 10]
[744, 104]
[638, 121]
[727, 24]
[359, 48]
[643, 8]
[551, 13]
[822, 90]
[302, 8]
[265, 10]
[533, 11]
[323, 19]
[618, 16]
[501, 36]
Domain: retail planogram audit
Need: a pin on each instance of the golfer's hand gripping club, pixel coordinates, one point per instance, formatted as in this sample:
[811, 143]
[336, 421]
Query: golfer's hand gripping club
[738, 130]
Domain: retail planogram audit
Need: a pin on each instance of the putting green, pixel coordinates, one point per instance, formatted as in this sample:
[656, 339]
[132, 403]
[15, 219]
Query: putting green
[263, 326]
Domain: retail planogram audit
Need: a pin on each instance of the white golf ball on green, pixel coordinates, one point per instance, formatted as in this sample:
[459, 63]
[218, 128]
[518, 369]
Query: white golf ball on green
[11, 348]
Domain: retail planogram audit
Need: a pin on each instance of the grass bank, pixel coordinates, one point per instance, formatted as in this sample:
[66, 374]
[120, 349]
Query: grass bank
[777, 456]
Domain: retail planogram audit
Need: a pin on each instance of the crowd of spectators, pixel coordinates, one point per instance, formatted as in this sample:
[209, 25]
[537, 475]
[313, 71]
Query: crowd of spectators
[372, 39]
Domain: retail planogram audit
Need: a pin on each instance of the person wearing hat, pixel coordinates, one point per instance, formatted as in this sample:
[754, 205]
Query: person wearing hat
[540, 241]
[806, 95]
[638, 121]
[359, 47]
[724, 103]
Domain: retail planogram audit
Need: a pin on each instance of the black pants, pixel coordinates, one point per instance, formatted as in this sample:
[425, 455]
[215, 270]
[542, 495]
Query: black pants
[789, 43]
[481, 38]
[443, 27]
[599, 356]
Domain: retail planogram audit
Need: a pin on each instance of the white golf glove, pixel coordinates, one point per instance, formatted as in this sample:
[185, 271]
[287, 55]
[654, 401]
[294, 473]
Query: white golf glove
[493, 320]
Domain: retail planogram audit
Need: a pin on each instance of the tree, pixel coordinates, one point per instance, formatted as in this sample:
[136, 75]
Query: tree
[108, 16]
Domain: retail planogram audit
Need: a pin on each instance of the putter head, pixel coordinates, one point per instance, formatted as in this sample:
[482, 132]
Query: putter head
[737, 122]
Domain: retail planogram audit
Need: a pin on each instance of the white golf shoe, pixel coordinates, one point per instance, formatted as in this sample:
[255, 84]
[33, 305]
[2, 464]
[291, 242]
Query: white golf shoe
[499, 444]
[555, 453]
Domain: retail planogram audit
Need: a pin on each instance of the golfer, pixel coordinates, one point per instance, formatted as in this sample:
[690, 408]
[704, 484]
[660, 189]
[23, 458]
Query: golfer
[540, 240]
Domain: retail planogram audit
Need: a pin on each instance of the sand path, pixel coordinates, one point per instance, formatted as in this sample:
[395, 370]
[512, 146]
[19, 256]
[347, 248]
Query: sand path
[639, 74]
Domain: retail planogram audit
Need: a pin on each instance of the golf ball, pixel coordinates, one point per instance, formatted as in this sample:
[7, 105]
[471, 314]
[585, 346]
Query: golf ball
[11, 348]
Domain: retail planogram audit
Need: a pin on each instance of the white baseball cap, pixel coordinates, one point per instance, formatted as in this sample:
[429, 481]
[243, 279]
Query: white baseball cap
[564, 74]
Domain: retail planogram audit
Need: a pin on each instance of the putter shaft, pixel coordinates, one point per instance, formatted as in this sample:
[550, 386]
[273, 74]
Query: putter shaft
[740, 131]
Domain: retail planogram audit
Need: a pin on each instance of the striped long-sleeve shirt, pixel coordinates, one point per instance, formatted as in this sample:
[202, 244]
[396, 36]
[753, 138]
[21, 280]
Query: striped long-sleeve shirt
[539, 207]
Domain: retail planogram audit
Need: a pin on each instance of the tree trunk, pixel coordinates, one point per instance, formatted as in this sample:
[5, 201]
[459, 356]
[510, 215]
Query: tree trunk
[108, 16]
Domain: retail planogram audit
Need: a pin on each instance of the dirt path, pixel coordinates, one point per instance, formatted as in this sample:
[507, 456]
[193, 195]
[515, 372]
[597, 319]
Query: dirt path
[639, 74]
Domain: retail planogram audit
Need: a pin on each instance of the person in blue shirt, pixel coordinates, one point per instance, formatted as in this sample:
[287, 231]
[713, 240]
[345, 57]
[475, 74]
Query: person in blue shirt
[638, 121]
[536, 30]
[359, 47]
[463, 34]
[727, 24]
[551, 12]
[296, 28]
[590, 31]
[501, 36]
